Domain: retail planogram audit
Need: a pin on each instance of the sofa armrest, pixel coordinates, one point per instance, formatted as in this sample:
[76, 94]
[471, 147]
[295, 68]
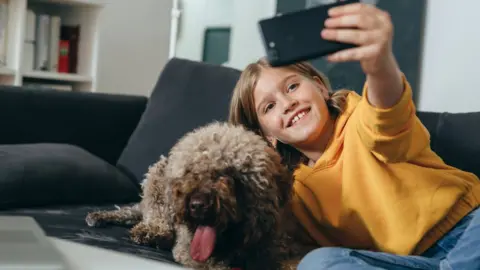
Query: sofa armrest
[99, 123]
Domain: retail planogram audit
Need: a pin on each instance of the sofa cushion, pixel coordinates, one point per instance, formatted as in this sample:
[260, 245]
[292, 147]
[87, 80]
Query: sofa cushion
[188, 94]
[100, 123]
[44, 174]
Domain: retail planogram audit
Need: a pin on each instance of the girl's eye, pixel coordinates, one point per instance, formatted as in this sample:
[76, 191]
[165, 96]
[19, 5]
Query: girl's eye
[268, 107]
[292, 87]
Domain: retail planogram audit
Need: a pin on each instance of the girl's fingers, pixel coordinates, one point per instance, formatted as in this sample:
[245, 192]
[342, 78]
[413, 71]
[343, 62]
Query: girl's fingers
[362, 21]
[354, 54]
[349, 9]
[351, 36]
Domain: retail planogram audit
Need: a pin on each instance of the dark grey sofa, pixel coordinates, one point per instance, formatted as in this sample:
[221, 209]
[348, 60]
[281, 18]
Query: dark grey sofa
[63, 154]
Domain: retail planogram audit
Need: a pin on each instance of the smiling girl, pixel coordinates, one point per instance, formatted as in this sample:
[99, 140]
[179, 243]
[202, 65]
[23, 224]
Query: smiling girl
[369, 191]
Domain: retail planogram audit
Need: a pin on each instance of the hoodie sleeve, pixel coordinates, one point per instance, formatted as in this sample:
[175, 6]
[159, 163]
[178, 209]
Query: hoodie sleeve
[393, 134]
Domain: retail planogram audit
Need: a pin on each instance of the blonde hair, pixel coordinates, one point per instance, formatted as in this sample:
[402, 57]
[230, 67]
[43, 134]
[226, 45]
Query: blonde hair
[242, 104]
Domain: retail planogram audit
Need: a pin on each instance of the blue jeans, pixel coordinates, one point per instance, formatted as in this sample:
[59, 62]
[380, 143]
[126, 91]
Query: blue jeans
[458, 249]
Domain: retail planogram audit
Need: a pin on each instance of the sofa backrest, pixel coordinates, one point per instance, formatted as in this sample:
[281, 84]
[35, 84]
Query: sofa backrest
[189, 94]
[453, 136]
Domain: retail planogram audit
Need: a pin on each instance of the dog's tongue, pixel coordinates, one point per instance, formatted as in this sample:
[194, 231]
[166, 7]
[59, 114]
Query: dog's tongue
[202, 243]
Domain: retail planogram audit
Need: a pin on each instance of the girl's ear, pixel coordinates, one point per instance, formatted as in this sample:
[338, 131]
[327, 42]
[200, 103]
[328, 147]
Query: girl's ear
[322, 86]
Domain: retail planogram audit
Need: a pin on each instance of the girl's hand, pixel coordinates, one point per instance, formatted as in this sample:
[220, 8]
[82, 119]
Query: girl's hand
[371, 30]
[365, 26]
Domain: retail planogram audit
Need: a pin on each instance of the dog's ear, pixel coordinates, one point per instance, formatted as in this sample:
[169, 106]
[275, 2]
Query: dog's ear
[283, 177]
[263, 196]
[261, 216]
[285, 186]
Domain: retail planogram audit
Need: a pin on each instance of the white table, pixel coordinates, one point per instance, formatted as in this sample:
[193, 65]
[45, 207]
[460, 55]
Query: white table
[86, 257]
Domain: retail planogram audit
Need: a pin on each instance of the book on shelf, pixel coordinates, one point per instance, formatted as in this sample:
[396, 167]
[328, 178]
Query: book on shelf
[55, 25]
[50, 45]
[3, 32]
[70, 35]
[42, 42]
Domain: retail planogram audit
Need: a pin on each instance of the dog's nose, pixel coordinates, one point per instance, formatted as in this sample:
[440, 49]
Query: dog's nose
[198, 204]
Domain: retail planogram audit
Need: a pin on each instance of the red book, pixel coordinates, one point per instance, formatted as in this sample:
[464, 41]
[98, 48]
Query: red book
[63, 56]
[72, 34]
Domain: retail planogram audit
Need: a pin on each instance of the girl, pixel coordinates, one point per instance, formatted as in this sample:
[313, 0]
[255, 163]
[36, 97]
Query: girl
[368, 188]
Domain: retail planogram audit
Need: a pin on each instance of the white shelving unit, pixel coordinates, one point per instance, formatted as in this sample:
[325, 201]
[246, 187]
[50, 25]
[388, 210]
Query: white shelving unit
[84, 13]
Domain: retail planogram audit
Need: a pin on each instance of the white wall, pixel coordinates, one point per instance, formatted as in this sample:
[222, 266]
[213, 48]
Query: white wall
[195, 17]
[241, 15]
[133, 48]
[246, 45]
[450, 79]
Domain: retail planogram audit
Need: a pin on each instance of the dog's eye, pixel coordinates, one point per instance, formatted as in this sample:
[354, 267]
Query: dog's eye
[177, 193]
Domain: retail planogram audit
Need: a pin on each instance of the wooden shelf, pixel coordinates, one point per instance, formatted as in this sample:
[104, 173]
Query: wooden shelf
[82, 13]
[7, 76]
[63, 77]
[7, 71]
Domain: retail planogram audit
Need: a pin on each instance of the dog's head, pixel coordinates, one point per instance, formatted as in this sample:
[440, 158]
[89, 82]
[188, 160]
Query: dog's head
[228, 187]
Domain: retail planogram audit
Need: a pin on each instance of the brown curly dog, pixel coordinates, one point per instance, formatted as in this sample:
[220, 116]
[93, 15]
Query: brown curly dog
[219, 201]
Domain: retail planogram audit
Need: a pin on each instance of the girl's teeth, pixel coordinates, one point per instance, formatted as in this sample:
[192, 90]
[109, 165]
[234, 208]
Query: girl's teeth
[298, 117]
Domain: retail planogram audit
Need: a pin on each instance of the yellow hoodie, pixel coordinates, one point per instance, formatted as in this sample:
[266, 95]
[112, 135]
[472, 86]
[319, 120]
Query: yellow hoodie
[379, 186]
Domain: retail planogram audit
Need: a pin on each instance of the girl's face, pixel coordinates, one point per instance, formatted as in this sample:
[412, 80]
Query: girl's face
[291, 108]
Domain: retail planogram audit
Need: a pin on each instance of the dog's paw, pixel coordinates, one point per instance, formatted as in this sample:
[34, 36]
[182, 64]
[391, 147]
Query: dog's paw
[145, 235]
[95, 219]
[155, 241]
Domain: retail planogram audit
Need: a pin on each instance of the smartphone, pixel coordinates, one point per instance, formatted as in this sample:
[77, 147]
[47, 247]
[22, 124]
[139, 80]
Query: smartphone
[295, 36]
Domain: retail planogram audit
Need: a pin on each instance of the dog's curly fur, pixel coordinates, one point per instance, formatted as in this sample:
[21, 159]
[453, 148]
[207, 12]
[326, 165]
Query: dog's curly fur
[248, 190]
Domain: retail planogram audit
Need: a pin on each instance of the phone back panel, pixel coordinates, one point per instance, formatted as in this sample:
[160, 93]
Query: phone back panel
[295, 36]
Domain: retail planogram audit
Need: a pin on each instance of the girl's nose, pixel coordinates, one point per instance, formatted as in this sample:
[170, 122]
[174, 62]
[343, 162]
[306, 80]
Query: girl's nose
[290, 104]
